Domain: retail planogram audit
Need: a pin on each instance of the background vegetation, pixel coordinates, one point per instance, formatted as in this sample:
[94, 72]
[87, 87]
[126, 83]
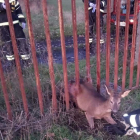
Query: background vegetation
[64, 125]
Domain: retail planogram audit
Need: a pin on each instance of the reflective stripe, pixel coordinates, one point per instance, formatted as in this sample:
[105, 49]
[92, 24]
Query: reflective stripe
[17, 4]
[102, 11]
[89, 8]
[133, 120]
[136, 131]
[10, 1]
[7, 23]
[90, 40]
[125, 115]
[103, 2]
[20, 16]
[10, 57]
[18, 8]
[102, 41]
[25, 57]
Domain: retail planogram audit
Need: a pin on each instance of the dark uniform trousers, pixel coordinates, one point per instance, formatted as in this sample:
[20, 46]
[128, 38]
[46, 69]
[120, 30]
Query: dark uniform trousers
[92, 20]
[5, 37]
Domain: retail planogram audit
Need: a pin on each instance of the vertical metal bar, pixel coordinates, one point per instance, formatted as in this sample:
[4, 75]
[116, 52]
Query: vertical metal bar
[126, 45]
[98, 43]
[108, 42]
[30, 28]
[133, 43]
[14, 43]
[5, 93]
[117, 45]
[61, 23]
[114, 6]
[50, 57]
[75, 42]
[87, 39]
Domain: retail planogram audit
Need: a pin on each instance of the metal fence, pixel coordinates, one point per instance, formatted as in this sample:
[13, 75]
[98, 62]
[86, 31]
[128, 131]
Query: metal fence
[50, 56]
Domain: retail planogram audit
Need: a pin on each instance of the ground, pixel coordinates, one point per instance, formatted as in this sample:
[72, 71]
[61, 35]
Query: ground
[64, 125]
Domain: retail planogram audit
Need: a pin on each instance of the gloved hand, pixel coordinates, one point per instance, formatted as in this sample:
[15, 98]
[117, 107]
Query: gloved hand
[23, 25]
[3, 5]
[93, 6]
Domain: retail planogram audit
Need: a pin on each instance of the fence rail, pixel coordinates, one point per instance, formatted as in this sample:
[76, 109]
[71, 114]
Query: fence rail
[63, 47]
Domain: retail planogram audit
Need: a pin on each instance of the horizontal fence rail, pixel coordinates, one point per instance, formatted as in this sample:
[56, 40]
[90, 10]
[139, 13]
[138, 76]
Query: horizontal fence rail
[88, 69]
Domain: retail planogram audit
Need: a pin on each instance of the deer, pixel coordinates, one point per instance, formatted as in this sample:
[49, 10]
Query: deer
[93, 103]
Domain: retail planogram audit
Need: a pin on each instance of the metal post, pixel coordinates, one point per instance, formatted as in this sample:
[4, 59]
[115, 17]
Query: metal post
[75, 42]
[50, 56]
[126, 45]
[117, 45]
[30, 28]
[133, 44]
[98, 43]
[5, 93]
[108, 42]
[61, 23]
[14, 43]
[87, 40]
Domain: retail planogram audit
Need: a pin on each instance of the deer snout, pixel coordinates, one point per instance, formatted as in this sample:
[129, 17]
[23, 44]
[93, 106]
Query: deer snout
[114, 111]
[115, 108]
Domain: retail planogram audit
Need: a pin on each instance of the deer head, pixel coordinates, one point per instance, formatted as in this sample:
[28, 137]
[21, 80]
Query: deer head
[115, 98]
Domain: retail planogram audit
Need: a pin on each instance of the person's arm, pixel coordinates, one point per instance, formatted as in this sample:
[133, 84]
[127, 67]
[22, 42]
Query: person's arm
[103, 4]
[2, 6]
[19, 13]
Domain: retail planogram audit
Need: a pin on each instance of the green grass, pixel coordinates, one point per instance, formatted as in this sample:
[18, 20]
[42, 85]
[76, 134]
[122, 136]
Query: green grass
[66, 125]
[71, 125]
[38, 22]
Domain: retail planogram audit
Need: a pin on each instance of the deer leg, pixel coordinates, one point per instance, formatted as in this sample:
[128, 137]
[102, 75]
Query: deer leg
[109, 119]
[90, 120]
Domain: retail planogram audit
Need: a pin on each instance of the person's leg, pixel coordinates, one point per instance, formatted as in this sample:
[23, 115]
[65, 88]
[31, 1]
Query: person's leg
[91, 27]
[7, 49]
[22, 46]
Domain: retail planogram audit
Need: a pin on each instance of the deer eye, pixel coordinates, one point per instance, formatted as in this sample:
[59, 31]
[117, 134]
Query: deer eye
[111, 102]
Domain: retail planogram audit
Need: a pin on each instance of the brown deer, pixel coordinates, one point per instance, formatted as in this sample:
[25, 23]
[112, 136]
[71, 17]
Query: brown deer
[94, 104]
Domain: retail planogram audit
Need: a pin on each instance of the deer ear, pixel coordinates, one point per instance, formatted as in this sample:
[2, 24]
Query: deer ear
[125, 93]
[107, 90]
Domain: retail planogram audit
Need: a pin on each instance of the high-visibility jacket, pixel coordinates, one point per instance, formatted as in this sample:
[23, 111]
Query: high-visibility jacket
[16, 11]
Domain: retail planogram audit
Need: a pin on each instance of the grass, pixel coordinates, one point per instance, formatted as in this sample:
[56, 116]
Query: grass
[70, 125]
[38, 23]
[64, 125]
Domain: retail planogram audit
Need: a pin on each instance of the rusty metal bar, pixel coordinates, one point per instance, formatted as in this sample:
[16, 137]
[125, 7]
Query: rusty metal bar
[108, 42]
[30, 28]
[61, 23]
[75, 42]
[133, 43]
[14, 43]
[126, 45]
[114, 5]
[50, 56]
[5, 93]
[117, 45]
[98, 43]
[87, 40]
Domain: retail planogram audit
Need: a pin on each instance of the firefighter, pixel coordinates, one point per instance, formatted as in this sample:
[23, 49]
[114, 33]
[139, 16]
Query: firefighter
[92, 17]
[5, 37]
